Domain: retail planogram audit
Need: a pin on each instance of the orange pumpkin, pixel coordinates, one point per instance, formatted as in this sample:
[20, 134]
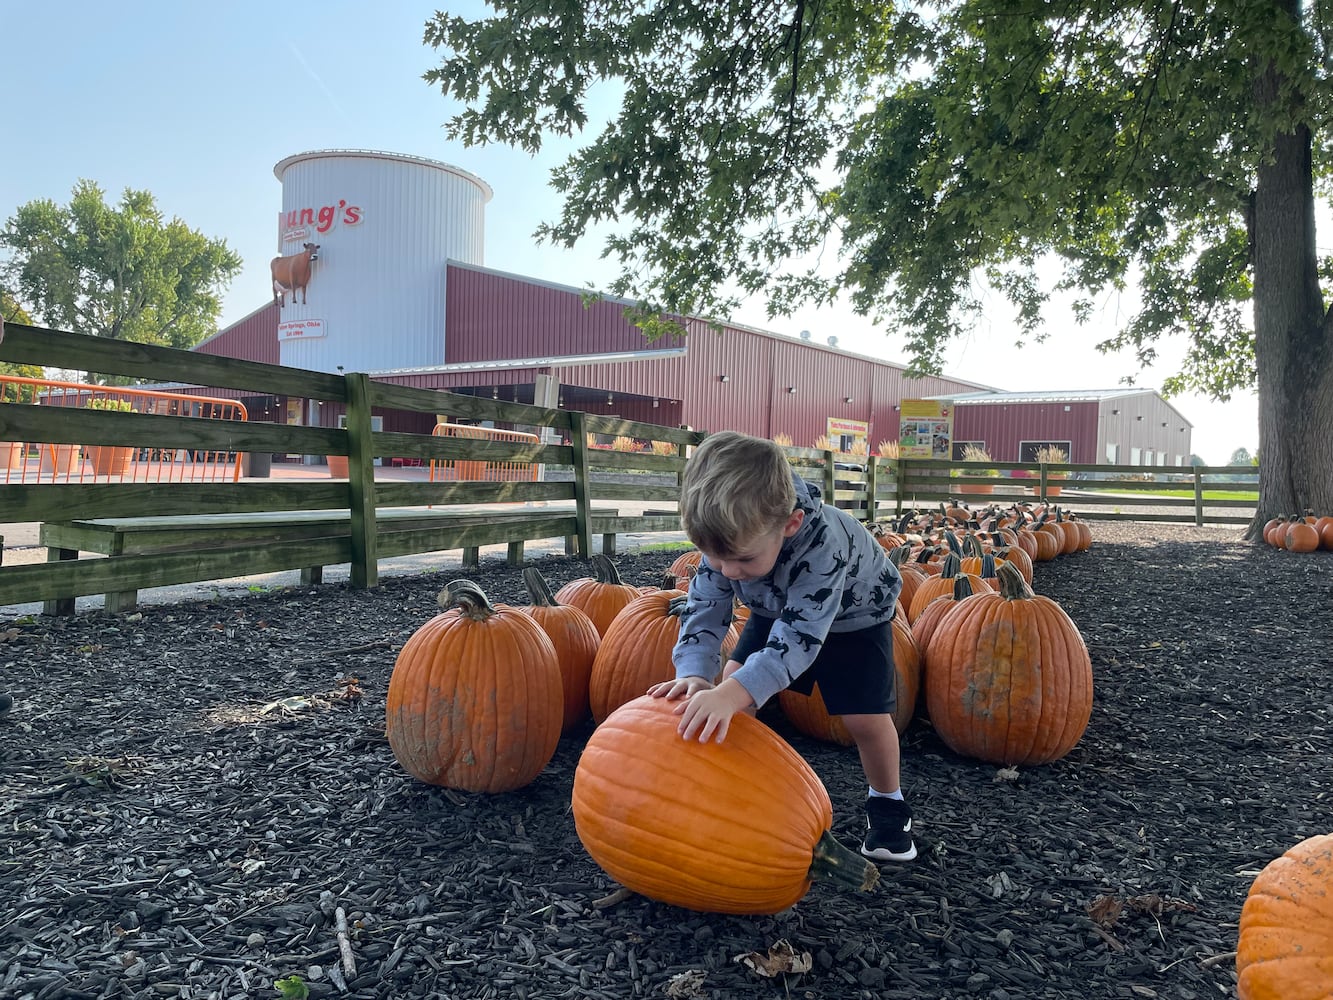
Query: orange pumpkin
[635, 651]
[741, 826]
[600, 596]
[474, 699]
[1008, 677]
[1284, 950]
[575, 639]
[1301, 537]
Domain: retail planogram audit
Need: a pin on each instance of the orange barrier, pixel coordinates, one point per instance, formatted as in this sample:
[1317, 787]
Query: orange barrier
[490, 472]
[72, 463]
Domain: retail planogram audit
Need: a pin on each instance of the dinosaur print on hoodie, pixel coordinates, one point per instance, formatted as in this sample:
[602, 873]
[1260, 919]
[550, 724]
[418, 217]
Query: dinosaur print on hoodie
[830, 576]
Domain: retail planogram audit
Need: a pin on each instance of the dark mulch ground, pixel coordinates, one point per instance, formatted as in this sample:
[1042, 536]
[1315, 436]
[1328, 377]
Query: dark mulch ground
[187, 801]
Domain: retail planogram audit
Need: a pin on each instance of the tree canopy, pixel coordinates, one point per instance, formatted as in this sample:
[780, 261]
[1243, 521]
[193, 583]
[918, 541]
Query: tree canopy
[115, 271]
[939, 148]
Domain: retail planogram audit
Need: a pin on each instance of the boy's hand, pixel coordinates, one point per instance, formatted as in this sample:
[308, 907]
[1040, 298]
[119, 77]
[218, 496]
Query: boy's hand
[707, 714]
[681, 687]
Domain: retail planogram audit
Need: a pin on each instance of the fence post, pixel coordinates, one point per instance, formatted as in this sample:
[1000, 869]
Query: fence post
[582, 484]
[829, 476]
[361, 482]
[872, 481]
[1198, 498]
[898, 476]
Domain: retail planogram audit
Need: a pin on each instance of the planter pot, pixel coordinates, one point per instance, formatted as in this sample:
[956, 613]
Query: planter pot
[59, 459]
[976, 487]
[338, 466]
[110, 460]
[14, 454]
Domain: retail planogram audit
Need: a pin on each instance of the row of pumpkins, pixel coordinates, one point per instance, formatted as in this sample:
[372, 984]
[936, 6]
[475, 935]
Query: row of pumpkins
[1300, 532]
[513, 680]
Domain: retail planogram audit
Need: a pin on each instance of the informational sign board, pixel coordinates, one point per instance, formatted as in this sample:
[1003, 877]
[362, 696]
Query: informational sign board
[925, 428]
[847, 435]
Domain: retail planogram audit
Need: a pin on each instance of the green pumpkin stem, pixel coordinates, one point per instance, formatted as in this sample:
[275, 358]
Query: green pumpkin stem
[836, 863]
[469, 598]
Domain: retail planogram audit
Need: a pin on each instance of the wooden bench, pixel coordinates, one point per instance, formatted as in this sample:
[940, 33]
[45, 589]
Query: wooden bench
[399, 531]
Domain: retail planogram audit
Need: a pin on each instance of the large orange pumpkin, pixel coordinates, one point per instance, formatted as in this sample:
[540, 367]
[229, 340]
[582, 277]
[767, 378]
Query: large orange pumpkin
[1285, 946]
[741, 826]
[600, 596]
[1008, 677]
[575, 639]
[474, 700]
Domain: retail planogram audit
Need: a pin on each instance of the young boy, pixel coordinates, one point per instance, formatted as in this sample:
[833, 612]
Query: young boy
[821, 593]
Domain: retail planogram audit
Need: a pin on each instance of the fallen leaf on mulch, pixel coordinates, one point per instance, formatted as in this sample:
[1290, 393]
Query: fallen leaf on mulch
[781, 957]
[686, 985]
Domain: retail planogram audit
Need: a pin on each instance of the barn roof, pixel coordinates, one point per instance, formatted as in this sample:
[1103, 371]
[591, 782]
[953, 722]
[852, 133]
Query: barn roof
[1046, 395]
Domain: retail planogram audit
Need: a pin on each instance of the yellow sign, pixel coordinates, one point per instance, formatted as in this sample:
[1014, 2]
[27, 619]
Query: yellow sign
[925, 428]
[847, 435]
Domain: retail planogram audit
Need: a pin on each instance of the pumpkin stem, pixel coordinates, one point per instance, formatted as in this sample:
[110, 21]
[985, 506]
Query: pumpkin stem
[1012, 585]
[834, 862]
[605, 570]
[468, 597]
[539, 590]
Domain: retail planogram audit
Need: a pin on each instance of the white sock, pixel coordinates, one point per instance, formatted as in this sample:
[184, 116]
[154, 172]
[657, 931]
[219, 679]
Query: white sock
[897, 793]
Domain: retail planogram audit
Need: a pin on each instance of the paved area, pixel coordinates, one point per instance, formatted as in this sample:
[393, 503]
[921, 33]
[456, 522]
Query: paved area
[21, 546]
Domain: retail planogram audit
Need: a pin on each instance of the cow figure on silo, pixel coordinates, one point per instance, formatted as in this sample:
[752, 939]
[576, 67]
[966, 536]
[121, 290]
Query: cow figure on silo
[293, 272]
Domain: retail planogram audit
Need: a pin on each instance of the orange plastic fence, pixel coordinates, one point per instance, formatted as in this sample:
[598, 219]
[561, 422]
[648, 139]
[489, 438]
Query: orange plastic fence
[72, 463]
[491, 472]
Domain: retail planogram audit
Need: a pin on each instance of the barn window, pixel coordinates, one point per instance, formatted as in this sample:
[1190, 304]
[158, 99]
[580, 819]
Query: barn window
[959, 447]
[1027, 450]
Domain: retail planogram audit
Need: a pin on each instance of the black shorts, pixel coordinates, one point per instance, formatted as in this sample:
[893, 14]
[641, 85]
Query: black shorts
[854, 670]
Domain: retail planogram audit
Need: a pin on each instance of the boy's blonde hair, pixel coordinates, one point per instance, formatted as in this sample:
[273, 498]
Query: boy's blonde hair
[736, 488]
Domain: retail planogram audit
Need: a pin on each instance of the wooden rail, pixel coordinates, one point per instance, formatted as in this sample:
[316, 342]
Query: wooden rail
[874, 489]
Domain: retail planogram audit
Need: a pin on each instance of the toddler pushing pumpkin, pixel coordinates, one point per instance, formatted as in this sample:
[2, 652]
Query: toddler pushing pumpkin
[821, 593]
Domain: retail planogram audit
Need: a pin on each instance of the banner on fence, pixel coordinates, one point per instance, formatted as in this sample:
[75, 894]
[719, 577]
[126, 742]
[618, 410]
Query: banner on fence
[925, 428]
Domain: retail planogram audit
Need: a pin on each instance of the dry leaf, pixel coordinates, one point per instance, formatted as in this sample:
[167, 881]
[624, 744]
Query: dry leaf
[686, 985]
[1006, 774]
[1106, 910]
[781, 957]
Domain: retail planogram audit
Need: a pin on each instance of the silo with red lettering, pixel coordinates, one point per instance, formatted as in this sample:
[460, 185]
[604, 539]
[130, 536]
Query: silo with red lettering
[384, 225]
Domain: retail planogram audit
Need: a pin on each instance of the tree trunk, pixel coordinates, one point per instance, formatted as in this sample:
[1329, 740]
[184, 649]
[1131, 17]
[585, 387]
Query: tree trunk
[1291, 327]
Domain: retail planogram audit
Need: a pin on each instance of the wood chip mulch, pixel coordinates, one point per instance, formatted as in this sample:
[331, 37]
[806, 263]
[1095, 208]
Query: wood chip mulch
[198, 800]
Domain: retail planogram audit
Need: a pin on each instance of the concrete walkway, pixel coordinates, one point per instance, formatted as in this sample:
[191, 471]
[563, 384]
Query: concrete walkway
[22, 546]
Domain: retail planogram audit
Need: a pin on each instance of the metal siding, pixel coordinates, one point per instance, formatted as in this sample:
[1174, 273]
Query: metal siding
[492, 316]
[254, 338]
[378, 285]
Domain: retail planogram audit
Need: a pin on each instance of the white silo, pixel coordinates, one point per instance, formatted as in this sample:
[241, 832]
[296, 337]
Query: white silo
[385, 225]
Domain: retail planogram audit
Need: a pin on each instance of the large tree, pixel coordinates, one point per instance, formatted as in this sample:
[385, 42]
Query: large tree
[116, 271]
[938, 148]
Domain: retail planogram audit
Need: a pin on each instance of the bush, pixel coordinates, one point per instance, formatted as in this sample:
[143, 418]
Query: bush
[107, 403]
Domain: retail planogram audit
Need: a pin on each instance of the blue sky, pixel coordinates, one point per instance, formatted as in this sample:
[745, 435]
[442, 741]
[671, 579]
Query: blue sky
[197, 102]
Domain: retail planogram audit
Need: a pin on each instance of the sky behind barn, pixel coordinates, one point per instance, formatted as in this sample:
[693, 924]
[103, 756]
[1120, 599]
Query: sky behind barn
[196, 103]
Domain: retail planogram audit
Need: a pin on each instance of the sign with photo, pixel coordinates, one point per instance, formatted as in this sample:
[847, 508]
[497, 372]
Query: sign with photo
[925, 428]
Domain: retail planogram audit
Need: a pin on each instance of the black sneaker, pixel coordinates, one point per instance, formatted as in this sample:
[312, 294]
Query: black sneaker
[889, 837]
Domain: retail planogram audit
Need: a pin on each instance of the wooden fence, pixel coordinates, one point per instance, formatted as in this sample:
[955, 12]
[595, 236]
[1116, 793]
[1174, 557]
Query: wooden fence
[872, 489]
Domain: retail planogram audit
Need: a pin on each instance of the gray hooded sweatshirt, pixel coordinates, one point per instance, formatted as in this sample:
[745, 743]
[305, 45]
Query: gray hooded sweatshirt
[831, 576]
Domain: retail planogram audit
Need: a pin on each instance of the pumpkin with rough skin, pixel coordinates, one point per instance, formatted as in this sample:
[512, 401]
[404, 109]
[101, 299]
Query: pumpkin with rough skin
[575, 639]
[1284, 950]
[475, 697]
[1008, 677]
[601, 596]
[741, 826]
